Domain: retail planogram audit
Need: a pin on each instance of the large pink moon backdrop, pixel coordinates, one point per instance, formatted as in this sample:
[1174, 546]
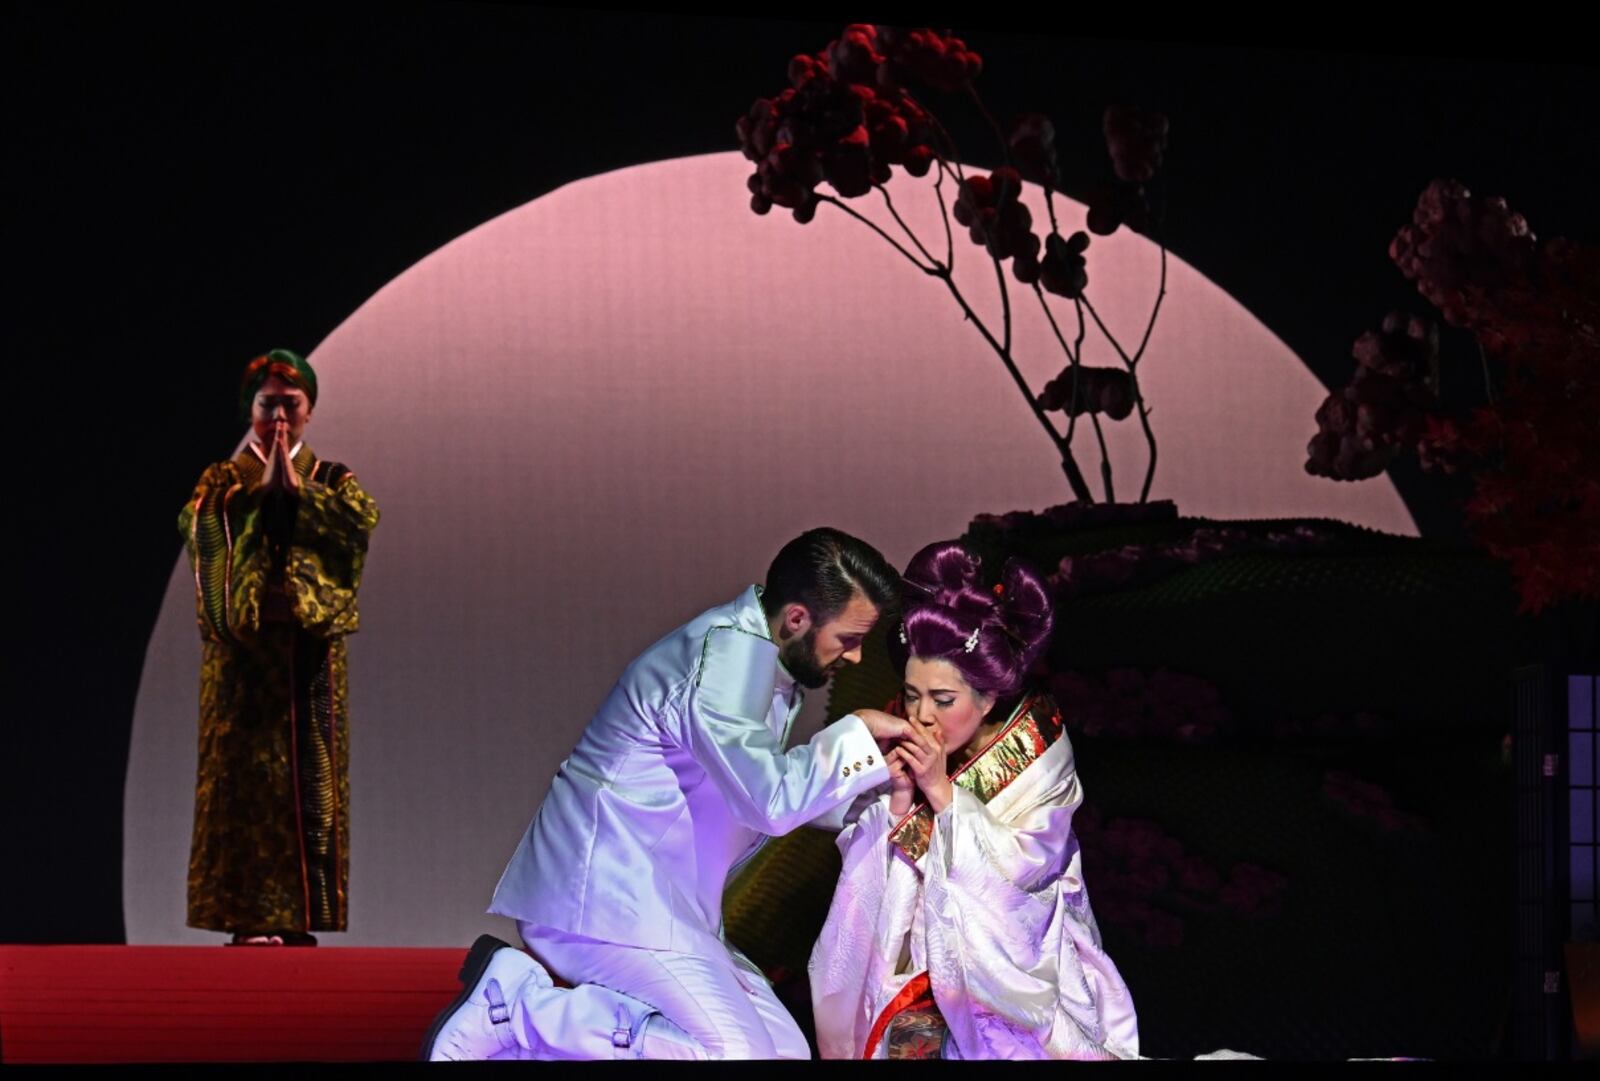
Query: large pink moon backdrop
[602, 412]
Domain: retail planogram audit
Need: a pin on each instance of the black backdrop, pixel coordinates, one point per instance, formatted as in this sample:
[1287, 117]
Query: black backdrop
[186, 190]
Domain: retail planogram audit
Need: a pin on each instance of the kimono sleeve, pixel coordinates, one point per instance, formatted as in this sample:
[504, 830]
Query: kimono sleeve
[327, 553]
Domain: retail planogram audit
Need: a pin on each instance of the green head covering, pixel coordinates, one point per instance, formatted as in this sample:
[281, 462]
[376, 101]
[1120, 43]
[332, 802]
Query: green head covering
[283, 363]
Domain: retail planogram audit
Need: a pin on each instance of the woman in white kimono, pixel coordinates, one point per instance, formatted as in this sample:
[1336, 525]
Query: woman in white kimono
[961, 927]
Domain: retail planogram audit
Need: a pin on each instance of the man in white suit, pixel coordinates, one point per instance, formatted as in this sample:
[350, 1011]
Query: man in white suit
[617, 884]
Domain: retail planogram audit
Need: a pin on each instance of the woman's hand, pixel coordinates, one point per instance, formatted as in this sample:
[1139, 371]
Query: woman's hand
[901, 783]
[929, 763]
[287, 480]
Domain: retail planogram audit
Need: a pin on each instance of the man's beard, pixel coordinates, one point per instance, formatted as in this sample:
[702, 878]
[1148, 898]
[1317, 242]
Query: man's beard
[799, 656]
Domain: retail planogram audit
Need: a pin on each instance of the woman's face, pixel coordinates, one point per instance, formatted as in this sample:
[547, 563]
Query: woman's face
[936, 694]
[279, 409]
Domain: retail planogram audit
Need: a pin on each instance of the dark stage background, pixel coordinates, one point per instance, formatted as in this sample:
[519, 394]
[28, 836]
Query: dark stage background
[186, 191]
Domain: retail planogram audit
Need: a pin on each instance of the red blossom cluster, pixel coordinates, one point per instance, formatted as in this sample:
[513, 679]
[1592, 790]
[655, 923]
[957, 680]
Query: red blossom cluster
[1063, 270]
[1141, 874]
[1137, 140]
[1032, 143]
[1533, 448]
[1098, 390]
[1459, 245]
[991, 209]
[1383, 409]
[847, 119]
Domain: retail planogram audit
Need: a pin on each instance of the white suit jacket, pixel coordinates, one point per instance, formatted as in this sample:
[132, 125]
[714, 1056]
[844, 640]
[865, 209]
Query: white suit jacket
[677, 777]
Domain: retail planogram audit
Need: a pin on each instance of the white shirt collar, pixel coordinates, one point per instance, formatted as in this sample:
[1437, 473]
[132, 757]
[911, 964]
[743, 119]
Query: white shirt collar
[753, 618]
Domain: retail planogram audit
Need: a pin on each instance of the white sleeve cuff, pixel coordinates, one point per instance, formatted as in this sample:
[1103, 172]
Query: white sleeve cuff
[857, 763]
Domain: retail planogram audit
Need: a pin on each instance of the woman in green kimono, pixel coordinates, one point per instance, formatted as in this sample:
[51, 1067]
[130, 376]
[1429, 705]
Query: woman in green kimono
[276, 538]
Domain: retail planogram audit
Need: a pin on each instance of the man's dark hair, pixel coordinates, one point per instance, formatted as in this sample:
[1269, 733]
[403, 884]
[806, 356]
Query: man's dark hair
[822, 569]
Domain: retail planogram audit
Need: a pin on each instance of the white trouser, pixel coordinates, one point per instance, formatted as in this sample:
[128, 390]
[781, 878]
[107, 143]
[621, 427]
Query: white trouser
[718, 997]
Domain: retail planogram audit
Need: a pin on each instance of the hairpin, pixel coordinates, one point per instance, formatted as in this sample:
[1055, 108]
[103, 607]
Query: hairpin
[972, 641]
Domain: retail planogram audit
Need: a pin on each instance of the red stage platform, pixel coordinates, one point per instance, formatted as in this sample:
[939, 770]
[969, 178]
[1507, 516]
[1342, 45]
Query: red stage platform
[102, 1004]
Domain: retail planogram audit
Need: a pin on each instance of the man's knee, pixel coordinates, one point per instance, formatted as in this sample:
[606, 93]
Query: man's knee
[733, 1042]
[790, 1043]
[776, 1038]
[660, 1038]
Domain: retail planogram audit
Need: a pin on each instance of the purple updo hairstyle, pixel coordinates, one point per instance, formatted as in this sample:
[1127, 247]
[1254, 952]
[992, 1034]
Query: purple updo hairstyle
[944, 602]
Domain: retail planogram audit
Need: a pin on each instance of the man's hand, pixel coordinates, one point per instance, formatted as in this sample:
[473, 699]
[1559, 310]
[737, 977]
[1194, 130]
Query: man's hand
[884, 728]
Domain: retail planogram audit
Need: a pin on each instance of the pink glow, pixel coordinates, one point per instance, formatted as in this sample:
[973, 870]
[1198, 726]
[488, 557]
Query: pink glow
[602, 412]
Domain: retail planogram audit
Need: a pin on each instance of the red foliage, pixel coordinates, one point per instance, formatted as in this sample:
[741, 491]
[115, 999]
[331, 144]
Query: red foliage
[1533, 448]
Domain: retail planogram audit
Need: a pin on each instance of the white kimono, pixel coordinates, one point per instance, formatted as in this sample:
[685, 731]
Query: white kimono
[984, 903]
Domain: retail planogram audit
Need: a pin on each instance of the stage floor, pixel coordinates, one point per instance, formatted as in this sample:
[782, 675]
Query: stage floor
[147, 1004]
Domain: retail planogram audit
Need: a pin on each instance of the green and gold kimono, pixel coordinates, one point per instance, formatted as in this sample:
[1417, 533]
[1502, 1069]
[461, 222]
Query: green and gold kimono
[275, 584]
